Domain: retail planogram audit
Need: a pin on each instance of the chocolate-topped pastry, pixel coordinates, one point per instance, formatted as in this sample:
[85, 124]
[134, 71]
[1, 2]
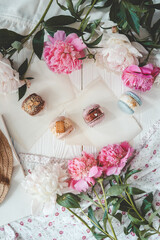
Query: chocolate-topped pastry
[93, 115]
[33, 104]
[61, 127]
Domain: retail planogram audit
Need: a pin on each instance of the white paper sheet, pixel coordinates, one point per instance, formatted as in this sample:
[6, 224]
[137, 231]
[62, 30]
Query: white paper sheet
[116, 127]
[53, 88]
[17, 203]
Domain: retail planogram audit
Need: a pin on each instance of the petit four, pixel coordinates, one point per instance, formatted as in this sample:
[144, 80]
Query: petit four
[129, 102]
[61, 127]
[93, 115]
[33, 104]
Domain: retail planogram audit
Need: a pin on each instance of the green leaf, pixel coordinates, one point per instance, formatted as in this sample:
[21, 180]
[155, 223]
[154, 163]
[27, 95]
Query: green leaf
[105, 5]
[22, 90]
[84, 24]
[86, 197]
[155, 6]
[93, 218]
[94, 43]
[113, 11]
[154, 214]
[148, 234]
[135, 218]
[23, 67]
[60, 20]
[17, 45]
[99, 236]
[38, 43]
[116, 190]
[118, 216]
[124, 206]
[128, 229]
[150, 44]
[29, 78]
[156, 28]
[93, 25]
[132, 18]
[8, 37]
[68, 200]
[134, 191]
[68, 30]
[105, 218]
[71, 8]
[78, 4]
[112, 200]
[129, 173]
[116, 206]
[147, 204]
[61, 6]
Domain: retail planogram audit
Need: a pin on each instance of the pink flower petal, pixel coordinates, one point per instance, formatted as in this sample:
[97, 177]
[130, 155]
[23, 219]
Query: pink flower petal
[60, 35]
[90, 180]
[51, 39]
[111, 171]
[81, 185]
[71, 37]
[93, 171]
[134, 68]
[78, 44]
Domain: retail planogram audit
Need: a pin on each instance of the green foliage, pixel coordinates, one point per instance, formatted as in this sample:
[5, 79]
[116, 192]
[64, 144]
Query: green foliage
[147, 204]
[116, 190]
[7, 38]
[23, 68]
[60, 20]
[91, 215]
[132, 215]
[68, 200]
[52, 29]
[130, 172]
[134, 191]
[105, 218]
[21, 91]
[38, 43]
[95, 42]
[17, 45]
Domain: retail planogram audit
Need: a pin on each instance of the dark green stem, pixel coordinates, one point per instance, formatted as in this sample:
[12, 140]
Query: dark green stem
[106, 206]
[87, 13]
[97, 226]
[84, 222]
[40, 21]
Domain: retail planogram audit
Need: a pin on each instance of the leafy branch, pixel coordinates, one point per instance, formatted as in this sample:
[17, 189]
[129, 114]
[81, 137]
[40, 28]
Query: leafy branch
[120, 195]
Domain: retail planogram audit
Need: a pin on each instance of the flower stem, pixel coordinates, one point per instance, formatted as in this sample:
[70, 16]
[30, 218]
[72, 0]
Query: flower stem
[87, 14]
[40, 21]
[100, 203]
[97, 225]
[106, 206]
[84, 222]
[134, 208]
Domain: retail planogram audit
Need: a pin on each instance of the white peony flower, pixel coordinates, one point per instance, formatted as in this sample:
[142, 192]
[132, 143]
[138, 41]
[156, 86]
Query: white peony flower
[117, 52]
[44, 184]
[9, 77]
[157, 79]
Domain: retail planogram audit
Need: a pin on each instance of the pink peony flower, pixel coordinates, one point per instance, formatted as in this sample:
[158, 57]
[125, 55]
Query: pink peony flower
[62, 53]
[113, 157]
[141, 78]
[83, 172]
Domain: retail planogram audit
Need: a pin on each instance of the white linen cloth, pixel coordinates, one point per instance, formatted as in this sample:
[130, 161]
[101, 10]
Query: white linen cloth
[62, 225]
